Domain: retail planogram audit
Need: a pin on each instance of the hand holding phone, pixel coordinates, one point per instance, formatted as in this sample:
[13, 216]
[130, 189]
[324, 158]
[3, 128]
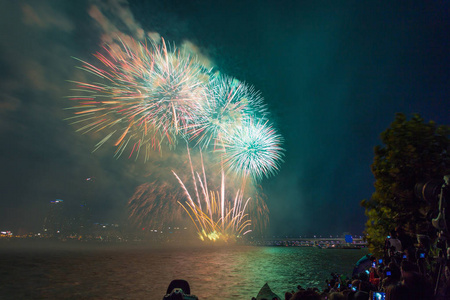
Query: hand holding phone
[378, 296]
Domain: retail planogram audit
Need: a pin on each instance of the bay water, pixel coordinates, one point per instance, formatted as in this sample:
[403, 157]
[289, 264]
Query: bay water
[138, 272]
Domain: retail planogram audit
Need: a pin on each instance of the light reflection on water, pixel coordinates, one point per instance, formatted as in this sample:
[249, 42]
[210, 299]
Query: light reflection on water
[213, 272]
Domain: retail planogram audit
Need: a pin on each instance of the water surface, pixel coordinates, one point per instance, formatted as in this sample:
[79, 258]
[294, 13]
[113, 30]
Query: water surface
[144, 273]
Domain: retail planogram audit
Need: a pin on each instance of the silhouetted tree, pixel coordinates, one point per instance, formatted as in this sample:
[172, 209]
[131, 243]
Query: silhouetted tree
[413, 152]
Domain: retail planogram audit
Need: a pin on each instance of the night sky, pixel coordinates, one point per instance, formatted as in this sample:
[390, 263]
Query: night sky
[332, 75]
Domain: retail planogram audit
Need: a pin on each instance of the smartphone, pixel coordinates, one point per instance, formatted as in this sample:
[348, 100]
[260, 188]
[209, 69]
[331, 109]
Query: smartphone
[380, 261]
[388, 273]
[374, 264]
[339, 286]
[422, 255]
[404, 256]
[354, 288]
[367, 271]
[378, 296]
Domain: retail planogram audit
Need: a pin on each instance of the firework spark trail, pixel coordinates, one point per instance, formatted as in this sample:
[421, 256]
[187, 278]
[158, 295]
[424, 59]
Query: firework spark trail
[253, 150]
[223, 218]
[151, 96]
[178, 90]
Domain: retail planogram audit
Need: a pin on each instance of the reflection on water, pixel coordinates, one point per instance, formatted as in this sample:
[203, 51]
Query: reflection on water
[145, 273]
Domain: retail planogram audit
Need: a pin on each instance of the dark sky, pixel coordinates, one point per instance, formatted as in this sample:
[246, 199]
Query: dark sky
[333, 74]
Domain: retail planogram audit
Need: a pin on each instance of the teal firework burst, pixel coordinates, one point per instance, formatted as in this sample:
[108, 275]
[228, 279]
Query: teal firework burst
[253, 150]
[229, 104]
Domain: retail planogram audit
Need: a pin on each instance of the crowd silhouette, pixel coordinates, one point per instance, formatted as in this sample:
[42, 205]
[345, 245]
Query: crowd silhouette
[406, 271]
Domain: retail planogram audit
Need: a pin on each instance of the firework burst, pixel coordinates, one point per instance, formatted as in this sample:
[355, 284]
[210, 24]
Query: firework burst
[165, 199]
[154, 205]
[215, 215]
[150, 96]
[253, 150]
[229, 104]
[176, 91]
